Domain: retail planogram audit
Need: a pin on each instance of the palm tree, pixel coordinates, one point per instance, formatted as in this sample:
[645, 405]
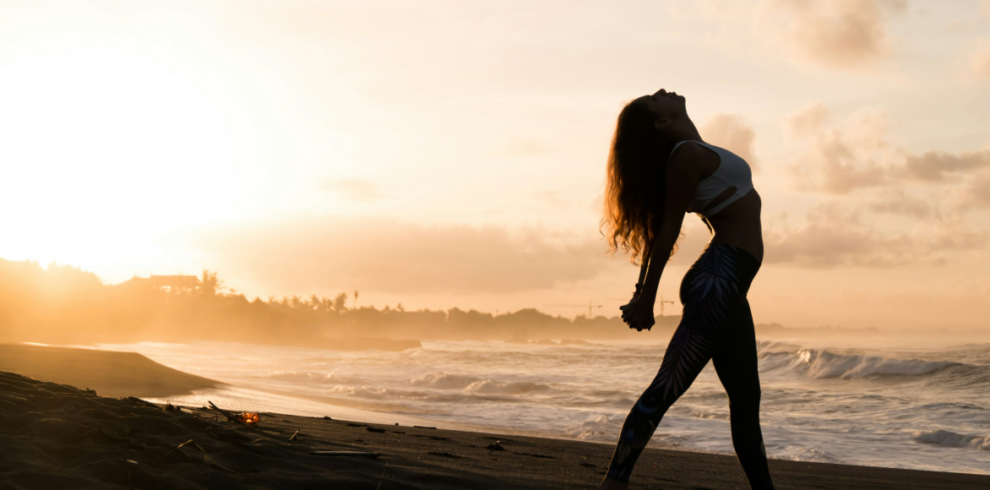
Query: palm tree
[209, 284]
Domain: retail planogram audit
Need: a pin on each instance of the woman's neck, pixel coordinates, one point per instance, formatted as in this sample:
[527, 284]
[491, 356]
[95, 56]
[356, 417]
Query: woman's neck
[684, 130]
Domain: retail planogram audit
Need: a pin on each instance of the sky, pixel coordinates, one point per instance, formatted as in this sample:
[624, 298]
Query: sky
[448, 154]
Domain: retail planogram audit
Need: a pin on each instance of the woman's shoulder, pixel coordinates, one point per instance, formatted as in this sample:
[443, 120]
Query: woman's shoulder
[688, 148]
[690, 156]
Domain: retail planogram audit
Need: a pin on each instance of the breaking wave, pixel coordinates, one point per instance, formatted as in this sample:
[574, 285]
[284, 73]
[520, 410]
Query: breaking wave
[821, 363]
[300, 376]
[446, 381]
[946, 438]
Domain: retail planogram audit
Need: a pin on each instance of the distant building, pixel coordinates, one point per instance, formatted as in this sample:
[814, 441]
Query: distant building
[174, 283]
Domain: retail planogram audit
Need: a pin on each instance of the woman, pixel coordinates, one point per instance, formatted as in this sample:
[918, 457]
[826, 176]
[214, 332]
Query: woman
[658, 170]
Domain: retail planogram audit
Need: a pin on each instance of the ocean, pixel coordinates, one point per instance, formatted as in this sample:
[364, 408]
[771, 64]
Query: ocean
[910, 406]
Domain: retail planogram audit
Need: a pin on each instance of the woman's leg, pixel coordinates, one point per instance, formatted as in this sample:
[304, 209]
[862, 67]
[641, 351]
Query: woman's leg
[686, 355]
[735, 362]
[712, 292]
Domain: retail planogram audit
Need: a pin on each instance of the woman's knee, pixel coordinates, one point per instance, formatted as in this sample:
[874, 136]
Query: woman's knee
[745, 403]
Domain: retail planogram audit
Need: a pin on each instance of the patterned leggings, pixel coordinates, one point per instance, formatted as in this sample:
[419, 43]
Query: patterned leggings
[717, 325]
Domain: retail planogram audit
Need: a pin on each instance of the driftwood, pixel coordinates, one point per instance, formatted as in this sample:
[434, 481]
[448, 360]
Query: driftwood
[143, 402]
[346, 453]
[176, 448]
[379, 487]
[206, 456]
[230, 416]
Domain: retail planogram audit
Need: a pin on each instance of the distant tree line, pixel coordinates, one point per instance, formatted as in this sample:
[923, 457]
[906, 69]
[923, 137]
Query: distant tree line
[62, 304]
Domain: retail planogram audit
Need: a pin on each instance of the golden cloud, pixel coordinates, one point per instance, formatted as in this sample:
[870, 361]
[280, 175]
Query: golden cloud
[386, 255]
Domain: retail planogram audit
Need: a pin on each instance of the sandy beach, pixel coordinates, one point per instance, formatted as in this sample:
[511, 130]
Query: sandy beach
[61, 437]
[115, 374]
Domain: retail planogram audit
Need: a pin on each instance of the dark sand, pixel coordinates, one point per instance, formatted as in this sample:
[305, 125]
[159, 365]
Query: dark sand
[59, 437]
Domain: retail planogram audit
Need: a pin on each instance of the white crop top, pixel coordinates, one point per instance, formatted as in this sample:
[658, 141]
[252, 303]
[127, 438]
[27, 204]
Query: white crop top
[732, 171]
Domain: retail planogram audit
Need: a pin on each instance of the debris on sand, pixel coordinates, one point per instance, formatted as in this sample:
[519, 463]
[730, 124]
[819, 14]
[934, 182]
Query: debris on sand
[143, 402]
[247, 418]
[443, 454]
[365, 454]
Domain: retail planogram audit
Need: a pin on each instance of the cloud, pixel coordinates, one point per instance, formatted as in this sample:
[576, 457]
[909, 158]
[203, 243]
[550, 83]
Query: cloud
[732, 133]
[837, 33]
[389, 256]
[898, 202]
[856, 154]
[807, 121]
[833, 164]
[879, 205]
[939, 166]
[353, 189]
[977, 192]
[840, 235]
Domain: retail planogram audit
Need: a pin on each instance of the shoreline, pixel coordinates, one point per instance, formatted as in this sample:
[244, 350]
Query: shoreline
[60, 436]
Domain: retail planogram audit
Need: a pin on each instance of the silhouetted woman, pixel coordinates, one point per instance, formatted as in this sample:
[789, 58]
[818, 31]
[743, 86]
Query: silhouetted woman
[658, 170]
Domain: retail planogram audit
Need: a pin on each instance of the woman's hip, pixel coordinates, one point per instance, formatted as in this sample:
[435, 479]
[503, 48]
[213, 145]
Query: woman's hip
[722, 273]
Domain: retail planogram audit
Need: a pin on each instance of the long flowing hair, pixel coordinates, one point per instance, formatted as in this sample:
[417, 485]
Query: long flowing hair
[635, 188]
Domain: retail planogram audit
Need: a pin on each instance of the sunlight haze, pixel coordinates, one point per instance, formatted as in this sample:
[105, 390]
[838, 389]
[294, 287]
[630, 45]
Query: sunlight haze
[451, 154]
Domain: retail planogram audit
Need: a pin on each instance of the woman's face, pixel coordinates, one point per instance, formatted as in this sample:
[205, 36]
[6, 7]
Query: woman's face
[665, 105]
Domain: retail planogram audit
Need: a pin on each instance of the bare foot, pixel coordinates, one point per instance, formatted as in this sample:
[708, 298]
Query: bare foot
[610, 484]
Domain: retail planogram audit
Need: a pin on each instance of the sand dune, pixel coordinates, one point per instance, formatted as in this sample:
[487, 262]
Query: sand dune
[109, 373]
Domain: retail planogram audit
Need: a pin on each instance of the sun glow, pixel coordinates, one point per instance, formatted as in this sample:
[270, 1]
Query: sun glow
[138, 137]
[103, 146]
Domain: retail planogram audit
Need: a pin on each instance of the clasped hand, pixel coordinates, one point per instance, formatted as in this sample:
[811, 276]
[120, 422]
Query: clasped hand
[638, 313]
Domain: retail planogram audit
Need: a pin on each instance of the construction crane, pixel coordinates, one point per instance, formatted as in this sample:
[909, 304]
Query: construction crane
[589, 305]
[661, 301]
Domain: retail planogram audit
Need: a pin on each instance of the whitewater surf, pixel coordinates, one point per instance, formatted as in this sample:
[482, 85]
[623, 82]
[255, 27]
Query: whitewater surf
[910, 407]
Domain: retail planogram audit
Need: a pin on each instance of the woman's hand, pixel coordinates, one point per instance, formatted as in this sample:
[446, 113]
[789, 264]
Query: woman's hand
[638, 313]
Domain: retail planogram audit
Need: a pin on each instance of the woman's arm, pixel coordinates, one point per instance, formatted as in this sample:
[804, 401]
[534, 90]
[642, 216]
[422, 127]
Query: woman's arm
[643, 268]
[665, 239]
[683, 175]
[642, 271]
